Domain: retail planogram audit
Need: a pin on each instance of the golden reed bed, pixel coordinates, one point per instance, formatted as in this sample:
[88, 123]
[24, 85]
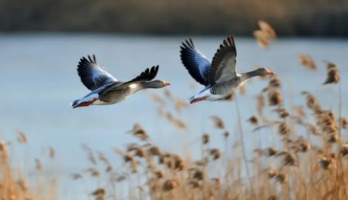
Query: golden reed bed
[301, 170]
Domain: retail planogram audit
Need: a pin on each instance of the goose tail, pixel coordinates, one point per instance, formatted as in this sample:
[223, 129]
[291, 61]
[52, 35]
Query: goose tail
[86, 101]
[202, 96]
[197, 98]
[74, 103]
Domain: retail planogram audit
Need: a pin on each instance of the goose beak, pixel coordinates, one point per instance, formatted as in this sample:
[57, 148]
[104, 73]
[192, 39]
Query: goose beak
[270, 71]
[166, 83]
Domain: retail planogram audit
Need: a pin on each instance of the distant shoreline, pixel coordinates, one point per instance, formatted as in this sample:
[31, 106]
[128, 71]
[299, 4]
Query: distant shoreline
[297, 18]
[103, 34]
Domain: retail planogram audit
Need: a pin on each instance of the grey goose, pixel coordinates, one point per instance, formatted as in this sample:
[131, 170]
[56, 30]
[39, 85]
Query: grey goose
[106, 89]
[219, 76]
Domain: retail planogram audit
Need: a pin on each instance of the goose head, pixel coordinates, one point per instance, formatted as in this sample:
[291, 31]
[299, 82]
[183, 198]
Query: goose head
[156, 84]
[264, 72]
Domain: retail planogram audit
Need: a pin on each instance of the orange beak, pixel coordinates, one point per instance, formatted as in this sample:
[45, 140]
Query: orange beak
[270, 71]
[166, 83]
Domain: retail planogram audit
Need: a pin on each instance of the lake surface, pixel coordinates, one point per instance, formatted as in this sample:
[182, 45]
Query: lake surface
[39, 80]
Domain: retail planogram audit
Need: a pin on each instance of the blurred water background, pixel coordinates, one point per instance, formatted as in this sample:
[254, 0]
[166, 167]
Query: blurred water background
[40, 80]
[42, 42]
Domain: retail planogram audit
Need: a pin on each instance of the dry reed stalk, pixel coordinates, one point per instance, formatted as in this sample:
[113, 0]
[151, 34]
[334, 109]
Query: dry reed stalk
[172, 180]
[243, 148]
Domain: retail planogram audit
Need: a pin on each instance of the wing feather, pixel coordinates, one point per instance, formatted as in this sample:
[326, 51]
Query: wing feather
[147, 75]
[195, 62]
[92, 75]
[223, 67]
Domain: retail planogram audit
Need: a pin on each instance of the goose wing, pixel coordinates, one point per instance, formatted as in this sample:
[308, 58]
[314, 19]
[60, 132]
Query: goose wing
[147, 75]
[92, 75]
[195, 62]
[223, 66]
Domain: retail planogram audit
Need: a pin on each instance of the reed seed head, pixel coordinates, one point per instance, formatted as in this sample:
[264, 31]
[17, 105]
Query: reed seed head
[76, 176]
[262, 38]
[170, 184]
[154, 150]
[99, 192]
[325, 162]
[52, 153]
[281, 178]
[270, 151]
[307, 61]
[226, 134]
[313, 129]
[218, 123]
[300, 111]
[134, 166]
[253, 120]
[333, 138]
[179, 104]
[158, 99]
[168, 94]
[205, 138]
[93, 172]
[283, 128]
[159, 174]
[274, 83]
[333, 75]
[139, 132]
[274, 98]
[22, 185]
[38, 165]
[267, 29]
[271, 173]
[217, 181]
[22, 138]
[282, 112]
[194, 184]
[272, 197]
[196, 174]
[344, 122]
[108, 169]
[201, 162]
[179, 163]
[138, 151]
[289, 160]
[344, 150]
[312, 102]
[304, 146]
[215, 153]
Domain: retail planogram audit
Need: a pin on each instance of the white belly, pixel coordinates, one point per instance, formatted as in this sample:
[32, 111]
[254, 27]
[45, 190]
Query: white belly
[206, 93]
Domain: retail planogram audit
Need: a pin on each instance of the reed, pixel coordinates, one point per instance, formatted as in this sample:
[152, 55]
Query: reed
[298, 168]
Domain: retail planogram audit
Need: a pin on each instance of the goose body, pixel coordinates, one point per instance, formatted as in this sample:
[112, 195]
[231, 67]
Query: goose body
[219, 76]
[106, 89]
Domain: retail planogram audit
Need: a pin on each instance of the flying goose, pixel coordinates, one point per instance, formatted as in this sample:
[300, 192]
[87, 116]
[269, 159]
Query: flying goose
[108, 90]
[219, 76]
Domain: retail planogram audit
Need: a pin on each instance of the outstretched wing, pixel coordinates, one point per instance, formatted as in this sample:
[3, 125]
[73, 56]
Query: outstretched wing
[195, 62]
[92, 75]
[147, 75]
[223, 66]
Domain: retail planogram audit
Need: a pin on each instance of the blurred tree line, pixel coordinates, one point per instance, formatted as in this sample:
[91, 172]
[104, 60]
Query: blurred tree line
[173, 17]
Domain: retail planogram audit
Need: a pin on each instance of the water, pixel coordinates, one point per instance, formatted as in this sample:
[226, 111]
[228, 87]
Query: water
[39, 80]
